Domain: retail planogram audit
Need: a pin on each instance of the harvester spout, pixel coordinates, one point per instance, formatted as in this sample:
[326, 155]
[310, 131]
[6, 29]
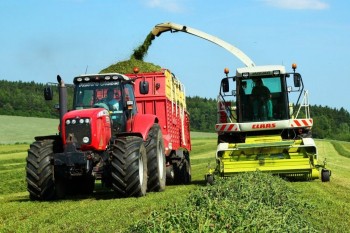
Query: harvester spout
[173, 27]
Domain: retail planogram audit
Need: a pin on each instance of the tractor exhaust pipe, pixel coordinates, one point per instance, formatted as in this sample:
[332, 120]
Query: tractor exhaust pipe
[62, 90]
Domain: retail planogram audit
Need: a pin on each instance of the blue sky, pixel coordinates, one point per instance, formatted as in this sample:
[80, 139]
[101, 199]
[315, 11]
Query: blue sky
[40, 39]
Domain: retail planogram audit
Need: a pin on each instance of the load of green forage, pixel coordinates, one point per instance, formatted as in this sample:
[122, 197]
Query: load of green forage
[136, 60]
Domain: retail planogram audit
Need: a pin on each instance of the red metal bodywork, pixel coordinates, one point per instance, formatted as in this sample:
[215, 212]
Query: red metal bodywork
[172, 116]
[100, 127]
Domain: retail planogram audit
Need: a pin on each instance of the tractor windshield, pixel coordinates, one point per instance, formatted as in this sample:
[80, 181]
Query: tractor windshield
[117, 97]
[99, 94]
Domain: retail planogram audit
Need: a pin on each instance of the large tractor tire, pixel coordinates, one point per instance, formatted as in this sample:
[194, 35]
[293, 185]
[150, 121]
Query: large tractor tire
[129, 167]
[39, 171]
[156, 160]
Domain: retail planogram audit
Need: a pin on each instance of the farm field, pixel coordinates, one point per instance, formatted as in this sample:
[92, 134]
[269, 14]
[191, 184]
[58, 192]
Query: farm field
[327, 205]
[16, 129]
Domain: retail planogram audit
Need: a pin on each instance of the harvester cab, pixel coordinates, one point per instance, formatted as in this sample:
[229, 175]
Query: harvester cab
[260, 129]
[259, 93]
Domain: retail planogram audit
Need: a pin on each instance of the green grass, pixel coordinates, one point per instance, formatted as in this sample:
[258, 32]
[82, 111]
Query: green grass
[327, 210]
[100, 212]
[323, 206]
[15, 129]
[343, 148]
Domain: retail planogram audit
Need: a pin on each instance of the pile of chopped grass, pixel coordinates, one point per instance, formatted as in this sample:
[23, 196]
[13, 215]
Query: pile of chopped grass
[127, 67]
[248, 202]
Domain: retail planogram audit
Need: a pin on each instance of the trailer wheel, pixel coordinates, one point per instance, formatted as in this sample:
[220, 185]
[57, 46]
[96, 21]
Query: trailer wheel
[129, 167]
[39, 171]
[156, 160]
[187, 169]
[182, 170]
[325, 175]
[170, 175]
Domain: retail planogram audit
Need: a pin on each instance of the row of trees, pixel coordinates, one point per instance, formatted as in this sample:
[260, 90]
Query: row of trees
[26, 99]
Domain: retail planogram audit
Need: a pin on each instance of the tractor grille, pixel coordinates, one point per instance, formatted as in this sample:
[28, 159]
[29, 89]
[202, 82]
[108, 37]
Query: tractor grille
[80, 131]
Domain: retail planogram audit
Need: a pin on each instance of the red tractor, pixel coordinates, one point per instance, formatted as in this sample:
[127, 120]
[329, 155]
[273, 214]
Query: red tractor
[105, 137]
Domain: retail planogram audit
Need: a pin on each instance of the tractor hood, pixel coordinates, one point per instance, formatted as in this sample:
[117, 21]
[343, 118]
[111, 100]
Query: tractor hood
[89, 129]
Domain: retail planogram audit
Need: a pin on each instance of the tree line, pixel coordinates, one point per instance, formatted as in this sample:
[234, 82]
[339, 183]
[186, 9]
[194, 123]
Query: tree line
[26, 99]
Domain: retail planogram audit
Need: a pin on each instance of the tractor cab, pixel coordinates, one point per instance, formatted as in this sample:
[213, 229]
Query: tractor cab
[114, 92]
[256, 94]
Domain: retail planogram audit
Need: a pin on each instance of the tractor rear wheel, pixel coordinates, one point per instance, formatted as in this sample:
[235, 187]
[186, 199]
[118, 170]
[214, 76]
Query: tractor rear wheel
[156, 160]
[39, 171]
[129, 167]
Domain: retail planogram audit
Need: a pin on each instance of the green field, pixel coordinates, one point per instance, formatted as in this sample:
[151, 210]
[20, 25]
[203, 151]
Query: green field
[15, 129]
[325, 206]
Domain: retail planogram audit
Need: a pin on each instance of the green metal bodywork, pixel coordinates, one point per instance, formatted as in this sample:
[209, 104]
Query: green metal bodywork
[291, 158]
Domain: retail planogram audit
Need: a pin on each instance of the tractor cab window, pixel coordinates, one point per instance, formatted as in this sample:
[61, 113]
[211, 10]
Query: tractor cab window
[113, 96]
[130, 99]
[96, 94]
[261, 99]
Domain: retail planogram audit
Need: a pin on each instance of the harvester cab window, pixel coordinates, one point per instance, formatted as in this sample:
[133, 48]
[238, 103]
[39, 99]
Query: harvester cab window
[261, 99]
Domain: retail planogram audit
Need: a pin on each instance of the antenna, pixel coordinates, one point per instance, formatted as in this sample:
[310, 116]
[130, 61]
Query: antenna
[86, 69]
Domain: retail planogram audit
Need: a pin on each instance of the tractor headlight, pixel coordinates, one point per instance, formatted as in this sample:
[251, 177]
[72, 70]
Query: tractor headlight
[81, 121]
[86, 140]
[67, 122]
[87, 121]
[74, 121]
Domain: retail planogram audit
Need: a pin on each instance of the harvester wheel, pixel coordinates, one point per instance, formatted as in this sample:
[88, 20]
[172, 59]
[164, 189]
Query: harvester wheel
[129, 167]
[39, 170]
[156, 160]
[325, 175]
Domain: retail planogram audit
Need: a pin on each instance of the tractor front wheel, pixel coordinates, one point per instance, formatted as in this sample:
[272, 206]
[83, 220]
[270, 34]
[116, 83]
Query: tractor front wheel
[39, 171]
[129, 167]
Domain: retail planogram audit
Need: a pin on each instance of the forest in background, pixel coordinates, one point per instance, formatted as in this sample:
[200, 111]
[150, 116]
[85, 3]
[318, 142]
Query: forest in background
[26, 99]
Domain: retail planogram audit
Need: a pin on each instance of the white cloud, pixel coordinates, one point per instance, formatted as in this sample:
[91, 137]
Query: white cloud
[168, 5]
[298, 4]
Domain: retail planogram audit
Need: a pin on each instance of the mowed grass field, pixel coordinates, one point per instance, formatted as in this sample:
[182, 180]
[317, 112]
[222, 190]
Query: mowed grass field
[101, 212]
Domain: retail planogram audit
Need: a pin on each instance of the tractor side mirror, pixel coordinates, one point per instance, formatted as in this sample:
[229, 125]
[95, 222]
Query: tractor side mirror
[144, 87]
[297, 80]
[225, 85]
[48, 93]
